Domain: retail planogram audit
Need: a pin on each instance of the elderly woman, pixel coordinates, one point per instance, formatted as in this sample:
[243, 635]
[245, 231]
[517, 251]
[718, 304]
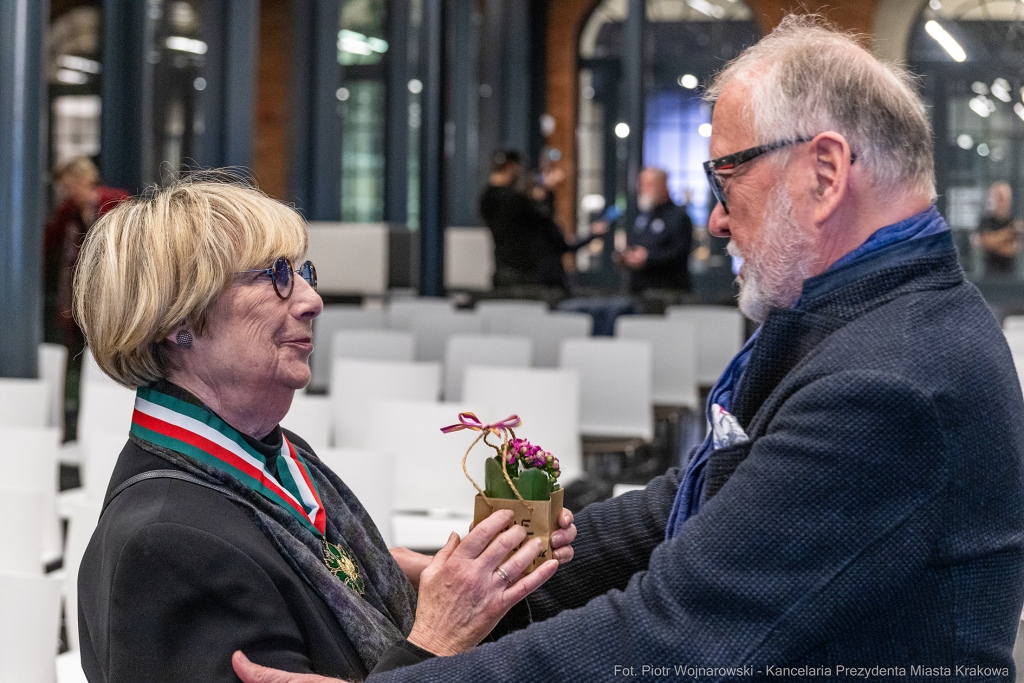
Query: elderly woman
[221, 531]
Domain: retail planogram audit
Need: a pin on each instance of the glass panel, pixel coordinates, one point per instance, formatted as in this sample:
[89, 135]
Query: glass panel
[178, 57]
[362, 159]
[361, 38]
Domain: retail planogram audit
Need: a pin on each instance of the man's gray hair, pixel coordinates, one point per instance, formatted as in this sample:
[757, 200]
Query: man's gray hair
[806, 77]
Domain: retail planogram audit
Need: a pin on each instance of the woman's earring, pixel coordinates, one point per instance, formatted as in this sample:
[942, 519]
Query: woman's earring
[184, 339]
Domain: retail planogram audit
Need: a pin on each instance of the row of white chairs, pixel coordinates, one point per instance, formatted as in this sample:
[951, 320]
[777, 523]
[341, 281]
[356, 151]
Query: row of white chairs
[718, 332]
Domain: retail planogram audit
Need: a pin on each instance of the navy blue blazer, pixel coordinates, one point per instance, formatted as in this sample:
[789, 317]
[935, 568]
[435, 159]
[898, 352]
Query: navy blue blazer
[875, 517]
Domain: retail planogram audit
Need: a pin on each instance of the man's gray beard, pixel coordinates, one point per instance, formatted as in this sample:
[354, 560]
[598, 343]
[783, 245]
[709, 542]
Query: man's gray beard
[777, 261]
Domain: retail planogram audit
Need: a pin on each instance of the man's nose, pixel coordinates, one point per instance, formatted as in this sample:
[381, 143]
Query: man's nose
[718, 222]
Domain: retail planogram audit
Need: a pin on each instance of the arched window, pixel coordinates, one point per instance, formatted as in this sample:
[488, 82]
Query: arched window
[970, 54]
[685, 43]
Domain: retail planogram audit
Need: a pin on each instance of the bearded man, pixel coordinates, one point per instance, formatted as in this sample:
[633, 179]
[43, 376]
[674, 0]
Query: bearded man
[859, 507]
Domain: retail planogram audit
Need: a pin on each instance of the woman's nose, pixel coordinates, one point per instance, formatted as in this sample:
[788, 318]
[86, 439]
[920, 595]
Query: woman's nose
[718, 222]
[306, 303]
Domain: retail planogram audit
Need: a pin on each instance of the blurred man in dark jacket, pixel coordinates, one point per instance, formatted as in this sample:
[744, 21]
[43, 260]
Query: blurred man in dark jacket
[528, 244]
[660, 239]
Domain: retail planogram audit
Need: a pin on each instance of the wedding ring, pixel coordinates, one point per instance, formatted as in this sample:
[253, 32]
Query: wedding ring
[501, 572]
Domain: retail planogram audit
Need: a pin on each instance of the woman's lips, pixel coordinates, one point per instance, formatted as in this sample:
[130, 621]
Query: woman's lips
[304, 343]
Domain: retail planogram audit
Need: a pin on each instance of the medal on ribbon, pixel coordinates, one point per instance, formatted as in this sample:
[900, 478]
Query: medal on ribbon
[199, 434]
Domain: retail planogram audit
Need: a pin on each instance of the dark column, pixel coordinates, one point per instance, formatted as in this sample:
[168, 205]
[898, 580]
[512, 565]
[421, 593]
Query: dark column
[316, 125]
[241, 34]
[492, 89]
[432, 167]
[231, 30]
[461, 130]
[22, 178]
[124, 129]
[516, 96]
[633, 99]
[396, 140]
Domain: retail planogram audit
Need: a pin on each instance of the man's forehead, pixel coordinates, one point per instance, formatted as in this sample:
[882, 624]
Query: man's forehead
[731, 129]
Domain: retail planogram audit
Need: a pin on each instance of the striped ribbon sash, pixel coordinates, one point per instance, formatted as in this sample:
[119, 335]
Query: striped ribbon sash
[193, 431]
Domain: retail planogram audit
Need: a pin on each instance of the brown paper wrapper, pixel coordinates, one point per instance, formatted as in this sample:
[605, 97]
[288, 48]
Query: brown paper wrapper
[538, 517]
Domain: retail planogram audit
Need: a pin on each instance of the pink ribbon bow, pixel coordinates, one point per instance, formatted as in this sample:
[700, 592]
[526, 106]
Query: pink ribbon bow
[471, 421]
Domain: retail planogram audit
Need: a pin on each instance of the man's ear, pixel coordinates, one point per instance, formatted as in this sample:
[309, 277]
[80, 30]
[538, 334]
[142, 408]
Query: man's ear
[832, 172]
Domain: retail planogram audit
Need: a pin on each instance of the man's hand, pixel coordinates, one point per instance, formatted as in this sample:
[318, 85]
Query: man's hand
[561, 540]
[635, 257]
[412, 563]
[254, 673]
[599, 227]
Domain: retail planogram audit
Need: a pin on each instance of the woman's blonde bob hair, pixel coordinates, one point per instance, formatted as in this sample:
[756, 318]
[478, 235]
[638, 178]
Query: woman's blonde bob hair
[157, 263]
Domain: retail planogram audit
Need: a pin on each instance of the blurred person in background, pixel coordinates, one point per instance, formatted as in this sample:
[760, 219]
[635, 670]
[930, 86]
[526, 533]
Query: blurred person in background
[1000, 232]
[220, 530]
[658, 250]
[528, 244]
[85, 200]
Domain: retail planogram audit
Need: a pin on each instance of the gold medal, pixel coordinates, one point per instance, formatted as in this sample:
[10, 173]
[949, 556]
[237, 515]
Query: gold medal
[340, 563]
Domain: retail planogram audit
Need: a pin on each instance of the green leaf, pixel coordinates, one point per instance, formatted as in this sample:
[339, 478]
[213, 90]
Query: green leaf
[495, 485]
[533, 484]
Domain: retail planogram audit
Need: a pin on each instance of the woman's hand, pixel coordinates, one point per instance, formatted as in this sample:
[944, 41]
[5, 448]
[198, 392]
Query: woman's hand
[254, 673]
[412, 563]
[463, 596]
[561, 540]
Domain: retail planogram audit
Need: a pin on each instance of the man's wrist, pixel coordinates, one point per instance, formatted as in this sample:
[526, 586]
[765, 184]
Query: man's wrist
[431, 642]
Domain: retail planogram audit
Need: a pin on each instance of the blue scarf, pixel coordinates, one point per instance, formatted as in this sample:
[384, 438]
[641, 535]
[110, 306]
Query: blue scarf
[690, 496]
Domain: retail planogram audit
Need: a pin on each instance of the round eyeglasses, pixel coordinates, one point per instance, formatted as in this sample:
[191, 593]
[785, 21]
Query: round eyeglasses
[281, 275]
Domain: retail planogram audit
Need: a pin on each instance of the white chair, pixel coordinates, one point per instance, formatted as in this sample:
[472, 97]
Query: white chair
[24, 402]
[357, 384]
[674, 350]
[21, 529]
[465, 350]
[53, 362]
[432, 329]
[83, 517]
[101, 450]
[310, 418]
[91, 372]
[547, 400]
[393, 345]
[432, 496]
[28, 460]
[400, 311]
[1015, 340]
[330, 321]
[492, 311]
[351, 258]
[30, 627]
[547, 331]
[105, 407]
[1013, 323]
[69, 668]
[468, 259]
[371, 476]
[615, 386]
[720, 332]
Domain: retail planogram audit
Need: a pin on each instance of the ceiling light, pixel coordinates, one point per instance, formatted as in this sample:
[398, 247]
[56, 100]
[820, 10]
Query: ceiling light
[183, 44]
[1018, 109]
[983, 150]
[72, 77]
[1001, 89]
[688, 81]
[965, 141]
[947, 41]
[705, 7]
[622, 130]
[979, 88]
[704, 130]
[979, 105]
[89, 66]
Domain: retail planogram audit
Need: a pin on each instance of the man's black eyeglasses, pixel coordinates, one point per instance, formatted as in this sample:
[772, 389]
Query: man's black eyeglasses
[281, 275]
[730, 161]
